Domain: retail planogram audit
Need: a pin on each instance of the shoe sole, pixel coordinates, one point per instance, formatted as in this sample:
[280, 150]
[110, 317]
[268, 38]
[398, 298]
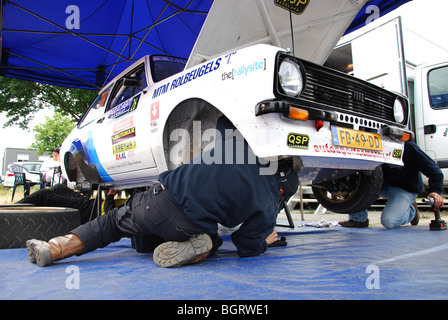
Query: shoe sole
[39, 252]
[31, 254]
[172, 254]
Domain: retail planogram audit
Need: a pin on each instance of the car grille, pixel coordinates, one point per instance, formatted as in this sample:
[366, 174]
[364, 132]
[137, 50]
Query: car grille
[332, 90]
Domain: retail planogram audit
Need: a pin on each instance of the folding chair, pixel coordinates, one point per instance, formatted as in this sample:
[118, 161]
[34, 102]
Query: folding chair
[57, 176]
[20, 180]
[43, 184]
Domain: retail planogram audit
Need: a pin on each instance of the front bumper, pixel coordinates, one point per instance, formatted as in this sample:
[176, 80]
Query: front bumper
[297, 112]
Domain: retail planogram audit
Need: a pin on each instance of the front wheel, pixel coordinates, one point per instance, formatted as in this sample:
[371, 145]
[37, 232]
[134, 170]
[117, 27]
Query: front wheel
[350, 194]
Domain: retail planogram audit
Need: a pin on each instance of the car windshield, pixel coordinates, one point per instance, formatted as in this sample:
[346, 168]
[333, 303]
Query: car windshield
[28, 166]
[96, 109]
[163, 67]
[32, 166]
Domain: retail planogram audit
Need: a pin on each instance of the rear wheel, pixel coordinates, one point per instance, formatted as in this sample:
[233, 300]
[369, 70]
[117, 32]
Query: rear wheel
[350, 194]
[21, 223]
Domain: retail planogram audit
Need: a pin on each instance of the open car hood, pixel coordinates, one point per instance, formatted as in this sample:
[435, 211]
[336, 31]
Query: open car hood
[233, 24]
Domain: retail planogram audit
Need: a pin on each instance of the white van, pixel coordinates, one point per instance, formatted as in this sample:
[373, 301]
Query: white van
[376, 53]
[431, 112]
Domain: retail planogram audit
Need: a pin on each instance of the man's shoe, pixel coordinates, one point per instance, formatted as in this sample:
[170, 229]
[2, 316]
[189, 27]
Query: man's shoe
[38, 249]
[45, 253]
[354, 224]
[173, 254]
[416, 218]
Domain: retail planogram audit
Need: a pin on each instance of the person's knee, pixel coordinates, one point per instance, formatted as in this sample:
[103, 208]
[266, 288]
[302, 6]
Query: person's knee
[389, 223]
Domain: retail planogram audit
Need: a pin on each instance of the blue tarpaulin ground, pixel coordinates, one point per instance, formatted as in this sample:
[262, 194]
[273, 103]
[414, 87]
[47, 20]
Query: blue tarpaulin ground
[327, 263]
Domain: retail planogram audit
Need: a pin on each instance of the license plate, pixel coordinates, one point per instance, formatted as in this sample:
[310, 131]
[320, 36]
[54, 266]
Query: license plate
[345, 137]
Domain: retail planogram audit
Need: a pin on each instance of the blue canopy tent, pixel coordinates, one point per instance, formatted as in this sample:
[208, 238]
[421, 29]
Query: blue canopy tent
[86, 44]
[373, 10]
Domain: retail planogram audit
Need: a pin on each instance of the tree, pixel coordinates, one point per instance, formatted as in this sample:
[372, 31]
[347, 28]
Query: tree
[21, 100]
[52, 132]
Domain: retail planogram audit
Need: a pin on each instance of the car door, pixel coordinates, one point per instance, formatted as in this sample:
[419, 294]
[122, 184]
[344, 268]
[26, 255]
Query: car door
[119, 137]
[82, 139]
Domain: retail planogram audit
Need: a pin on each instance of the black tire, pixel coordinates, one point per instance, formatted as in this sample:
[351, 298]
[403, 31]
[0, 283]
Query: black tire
[363, 189]
[21, 223]
[17, 205]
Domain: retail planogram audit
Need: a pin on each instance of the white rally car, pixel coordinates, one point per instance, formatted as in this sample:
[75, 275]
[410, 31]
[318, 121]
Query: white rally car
[157, 115]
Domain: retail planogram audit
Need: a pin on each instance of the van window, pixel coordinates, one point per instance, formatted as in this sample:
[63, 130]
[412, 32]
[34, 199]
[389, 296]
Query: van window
[438, 87]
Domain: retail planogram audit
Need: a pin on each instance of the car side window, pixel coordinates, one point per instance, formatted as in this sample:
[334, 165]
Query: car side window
[96, 109]
[163, 67]
[128, 86]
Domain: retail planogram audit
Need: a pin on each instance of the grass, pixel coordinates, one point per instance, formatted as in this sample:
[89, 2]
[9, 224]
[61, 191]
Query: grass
[6, 194]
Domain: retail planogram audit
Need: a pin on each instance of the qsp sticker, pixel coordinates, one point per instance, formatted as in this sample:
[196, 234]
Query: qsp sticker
[296, 6]
[397, 153]
[296, 140]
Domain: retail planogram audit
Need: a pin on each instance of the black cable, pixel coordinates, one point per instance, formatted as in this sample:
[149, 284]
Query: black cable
[292, 29]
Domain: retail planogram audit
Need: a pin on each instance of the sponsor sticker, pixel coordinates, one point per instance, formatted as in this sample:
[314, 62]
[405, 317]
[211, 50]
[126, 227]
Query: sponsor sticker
[124, 146]
[154, 113]
[296, 6]
[397, 153]
[123, 135]
[124, 124]
[124, 107]
[297, 140]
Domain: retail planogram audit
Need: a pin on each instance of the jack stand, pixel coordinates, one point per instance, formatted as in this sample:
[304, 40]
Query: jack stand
[437, 224]
[284, 205]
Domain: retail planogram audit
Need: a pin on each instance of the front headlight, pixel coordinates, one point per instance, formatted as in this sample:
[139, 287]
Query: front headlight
[399, 110]
[290, 77]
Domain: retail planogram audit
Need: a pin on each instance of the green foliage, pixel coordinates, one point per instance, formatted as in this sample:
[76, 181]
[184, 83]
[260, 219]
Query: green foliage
[21, 100]
[52, 132]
